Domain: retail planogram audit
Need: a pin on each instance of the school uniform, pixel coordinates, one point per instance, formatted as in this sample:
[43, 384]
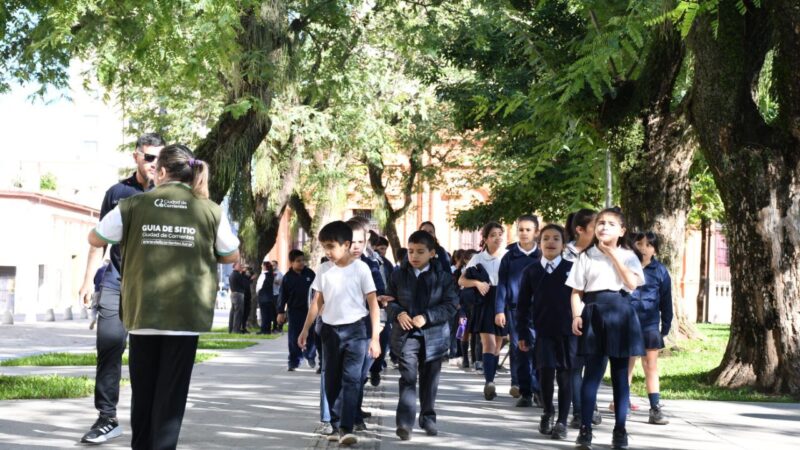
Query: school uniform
[653, 304]
[512, 266]
[544, 304]
[610, 326]
[429, 292]
[484, 313]
[294, 300]
[165, 234]
[344, 337]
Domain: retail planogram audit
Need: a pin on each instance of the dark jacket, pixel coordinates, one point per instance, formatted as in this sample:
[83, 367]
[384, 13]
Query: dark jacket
[471, 296]
[653, 300]
[509, 276]
[266, 294]
[375, 268]
[432, 295]
[294, 289]
[544, 302]
[239, 282]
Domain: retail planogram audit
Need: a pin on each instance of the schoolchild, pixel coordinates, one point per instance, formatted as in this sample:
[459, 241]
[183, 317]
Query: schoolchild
[424, 303]
[341, 290]
[470, 345]
[544, 304]
[524, 384]
[484, 278]
[653, 305]
[580, 233]
[164, 234]
[293, 302]
[604, 319]
[442, 257]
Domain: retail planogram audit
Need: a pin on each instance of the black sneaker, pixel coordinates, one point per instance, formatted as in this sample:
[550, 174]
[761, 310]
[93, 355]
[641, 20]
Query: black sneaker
[365, 414]
[657, 417]
[489, 391]
[292, 369]
[374, 378]
[404, 434]
[546, 424]
[584, 441]
[597, 419]
[524, 402]
[361, 426]
[575, 423]
[103, 430]
[619, 439]
[312, 363]
[559, 431]
[430, 429]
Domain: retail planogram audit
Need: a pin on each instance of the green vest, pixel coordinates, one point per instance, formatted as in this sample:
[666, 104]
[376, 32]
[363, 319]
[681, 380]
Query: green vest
[169, 267]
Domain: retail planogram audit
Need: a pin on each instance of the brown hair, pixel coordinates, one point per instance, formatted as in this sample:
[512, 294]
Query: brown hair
[181, 165]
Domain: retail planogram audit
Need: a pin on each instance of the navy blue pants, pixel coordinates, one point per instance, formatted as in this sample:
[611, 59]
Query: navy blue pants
[297, 318]
[344, 347]
[412, 367]
[523, 373]
[267, 316]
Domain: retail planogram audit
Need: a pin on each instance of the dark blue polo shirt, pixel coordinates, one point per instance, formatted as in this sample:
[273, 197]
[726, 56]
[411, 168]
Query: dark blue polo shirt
[124, 189]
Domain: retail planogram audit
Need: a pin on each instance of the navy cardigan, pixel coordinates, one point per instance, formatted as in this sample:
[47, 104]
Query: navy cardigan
[544, 302]
[433, 295]
[509, 276]
[653, 300]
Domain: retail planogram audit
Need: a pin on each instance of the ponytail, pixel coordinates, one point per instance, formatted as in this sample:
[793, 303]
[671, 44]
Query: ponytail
[181, 165]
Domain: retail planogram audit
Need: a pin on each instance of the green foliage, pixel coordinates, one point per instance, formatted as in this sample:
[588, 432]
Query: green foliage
[706, 202]
[48, 182]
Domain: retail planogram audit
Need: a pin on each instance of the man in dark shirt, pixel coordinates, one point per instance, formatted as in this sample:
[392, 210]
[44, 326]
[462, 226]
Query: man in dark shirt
[293, 300]
[111, 334]
[240, 285]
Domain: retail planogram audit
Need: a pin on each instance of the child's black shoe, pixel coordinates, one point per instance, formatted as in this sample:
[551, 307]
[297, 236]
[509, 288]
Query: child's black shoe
[584, 441]
[559, 431]
[546, 424]
[619, 439]
[404, 434]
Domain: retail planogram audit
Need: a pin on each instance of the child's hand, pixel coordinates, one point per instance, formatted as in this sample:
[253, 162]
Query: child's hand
[281, 319]
[606, 249]
[301, 340]
[405, 322]
[385, 298]
[483, 287]
[577, 326]
[374, 348]
[500, 319]
[419, 321]
[523, 346]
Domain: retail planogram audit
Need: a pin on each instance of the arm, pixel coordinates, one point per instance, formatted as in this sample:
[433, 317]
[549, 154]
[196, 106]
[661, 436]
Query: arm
[576, 300]
[93, 262]
[467, 283]
[665, 303]
[444, 311]
[228, 259]
[313, 311]
[502, 291]
[375, 319]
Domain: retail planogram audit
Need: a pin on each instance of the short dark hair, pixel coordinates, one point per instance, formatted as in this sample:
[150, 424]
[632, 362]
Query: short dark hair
[296, 254]
[150, 140]
[336, 231]
[529, 218]
[422, 237]
[382, 241]
[402, 253]
[558, 228]
[651, 237]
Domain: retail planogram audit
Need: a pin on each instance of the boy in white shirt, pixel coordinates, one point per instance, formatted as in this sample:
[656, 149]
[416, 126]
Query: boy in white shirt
[341, 289]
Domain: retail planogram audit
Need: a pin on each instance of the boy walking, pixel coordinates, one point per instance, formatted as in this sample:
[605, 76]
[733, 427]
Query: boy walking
[294, 302]
[341, 289]
[424, 303]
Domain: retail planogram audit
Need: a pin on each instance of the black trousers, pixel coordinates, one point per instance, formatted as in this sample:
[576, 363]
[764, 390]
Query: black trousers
[412, 362]
[111, 337]
[160, 368]
[267, 316]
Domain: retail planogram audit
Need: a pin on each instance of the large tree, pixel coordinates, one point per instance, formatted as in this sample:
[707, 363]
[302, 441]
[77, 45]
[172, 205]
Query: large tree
[756, 166]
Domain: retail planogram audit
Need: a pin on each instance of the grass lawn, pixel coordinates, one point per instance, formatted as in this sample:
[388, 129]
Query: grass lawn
[214, 335]
[210, 344]
[684, 372]
[28, 387]
[78, 359]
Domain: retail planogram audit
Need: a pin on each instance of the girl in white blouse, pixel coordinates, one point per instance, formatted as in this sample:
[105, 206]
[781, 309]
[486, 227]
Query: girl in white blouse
[483, 322]
[604, 319]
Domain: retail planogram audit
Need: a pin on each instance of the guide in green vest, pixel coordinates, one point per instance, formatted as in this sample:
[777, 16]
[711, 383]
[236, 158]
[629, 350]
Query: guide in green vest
[172, 238]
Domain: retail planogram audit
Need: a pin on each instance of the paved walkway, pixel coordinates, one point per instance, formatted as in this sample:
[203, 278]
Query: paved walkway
[245, 399]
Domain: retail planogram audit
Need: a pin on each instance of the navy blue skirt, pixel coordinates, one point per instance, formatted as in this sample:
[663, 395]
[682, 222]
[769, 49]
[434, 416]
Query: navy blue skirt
[652, 338]
[556, 352]
[610, 326]
[483, 317]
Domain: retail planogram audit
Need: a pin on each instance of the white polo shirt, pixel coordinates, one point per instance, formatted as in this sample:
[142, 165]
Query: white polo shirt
[594, 271]
[343, 290]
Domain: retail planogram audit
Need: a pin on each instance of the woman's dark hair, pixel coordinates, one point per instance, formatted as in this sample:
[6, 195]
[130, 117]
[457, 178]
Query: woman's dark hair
[580, 218]
[558, 228]
[487, 230]
[615, 211]
[181, 165]
[651, 237]
[529, 218]
[268, 267]
[374, 239]
[427, 222]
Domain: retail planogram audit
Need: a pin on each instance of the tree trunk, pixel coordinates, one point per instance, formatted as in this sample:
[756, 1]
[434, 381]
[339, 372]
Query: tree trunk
[390, 231]
[757, 169]
[702, 290]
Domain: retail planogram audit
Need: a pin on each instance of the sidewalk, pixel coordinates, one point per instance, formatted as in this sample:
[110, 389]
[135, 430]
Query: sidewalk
[246, 399]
